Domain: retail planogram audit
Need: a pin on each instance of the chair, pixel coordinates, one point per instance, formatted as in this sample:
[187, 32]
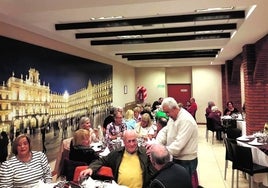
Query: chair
[69, 168]
[210, 127]
[77, 171]
[103, 173]
[229, 156]
[243, 161]
[214, 126]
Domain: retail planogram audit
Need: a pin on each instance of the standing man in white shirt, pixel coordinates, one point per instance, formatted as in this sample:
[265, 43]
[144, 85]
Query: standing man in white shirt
[180, 135]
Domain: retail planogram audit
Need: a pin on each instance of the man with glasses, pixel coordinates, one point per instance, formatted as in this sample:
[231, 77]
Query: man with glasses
[130, 164]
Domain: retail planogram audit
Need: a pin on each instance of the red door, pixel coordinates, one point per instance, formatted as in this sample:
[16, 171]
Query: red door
[180, 92]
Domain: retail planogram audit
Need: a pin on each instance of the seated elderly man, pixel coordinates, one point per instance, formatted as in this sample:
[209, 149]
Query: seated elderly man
[169, 174]
[130, 164]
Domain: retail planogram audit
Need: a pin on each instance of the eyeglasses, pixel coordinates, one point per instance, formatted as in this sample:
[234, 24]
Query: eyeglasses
[129, 141]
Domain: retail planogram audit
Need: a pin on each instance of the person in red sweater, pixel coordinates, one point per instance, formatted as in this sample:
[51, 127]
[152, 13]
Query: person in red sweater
[193, 107]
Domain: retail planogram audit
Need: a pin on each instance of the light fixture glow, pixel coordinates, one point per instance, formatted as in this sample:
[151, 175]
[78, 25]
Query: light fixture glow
[130, 37]
[214, 9]
[233, 34]
[250, 11]
[107, 18]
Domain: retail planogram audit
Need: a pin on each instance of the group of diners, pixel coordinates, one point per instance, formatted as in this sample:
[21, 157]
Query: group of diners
[214, 116]
[170, 160]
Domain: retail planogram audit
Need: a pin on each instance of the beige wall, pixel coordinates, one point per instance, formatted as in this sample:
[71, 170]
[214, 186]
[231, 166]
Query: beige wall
[182, 75]
[154, 80]
[205, 80]
[206, 86]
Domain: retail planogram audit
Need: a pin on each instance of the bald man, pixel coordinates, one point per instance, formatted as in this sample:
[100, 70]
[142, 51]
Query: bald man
[169, 174]
[130, 164]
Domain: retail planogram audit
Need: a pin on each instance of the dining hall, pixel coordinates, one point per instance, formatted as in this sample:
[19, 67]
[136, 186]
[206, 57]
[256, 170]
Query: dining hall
[217, 55]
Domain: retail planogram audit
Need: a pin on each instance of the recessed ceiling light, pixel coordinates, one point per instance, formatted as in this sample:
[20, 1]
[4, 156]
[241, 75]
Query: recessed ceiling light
[214, 9]
[130, 36]
[107, 18]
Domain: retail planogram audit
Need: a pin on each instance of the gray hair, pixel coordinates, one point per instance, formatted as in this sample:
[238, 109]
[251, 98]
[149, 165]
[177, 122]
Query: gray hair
[211, 103]
[170, 102]
[214, 108]
[160, 154]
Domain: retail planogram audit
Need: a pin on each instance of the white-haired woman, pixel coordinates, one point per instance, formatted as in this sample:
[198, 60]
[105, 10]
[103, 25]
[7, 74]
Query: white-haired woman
[215, 117]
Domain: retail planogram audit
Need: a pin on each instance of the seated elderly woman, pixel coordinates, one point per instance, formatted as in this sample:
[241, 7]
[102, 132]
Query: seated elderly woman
[144, 128]
[80, 148]
[26, 168]
[84, 123]
[215, 117]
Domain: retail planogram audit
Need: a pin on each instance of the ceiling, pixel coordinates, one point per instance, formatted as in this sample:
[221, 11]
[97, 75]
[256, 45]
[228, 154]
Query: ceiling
[151, 33]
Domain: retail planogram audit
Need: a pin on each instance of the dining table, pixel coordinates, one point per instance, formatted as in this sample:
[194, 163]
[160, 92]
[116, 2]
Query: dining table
[259, 150]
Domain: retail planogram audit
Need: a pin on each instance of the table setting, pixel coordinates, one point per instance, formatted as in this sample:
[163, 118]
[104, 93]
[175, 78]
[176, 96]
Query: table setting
[258, 142]
[91, 183]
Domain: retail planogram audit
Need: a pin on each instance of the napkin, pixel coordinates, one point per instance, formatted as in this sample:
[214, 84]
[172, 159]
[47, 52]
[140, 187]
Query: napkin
[90, 183]
[41, 184]
[105, 152]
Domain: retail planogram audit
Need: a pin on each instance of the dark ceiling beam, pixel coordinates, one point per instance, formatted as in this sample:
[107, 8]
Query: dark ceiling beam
[153, 20]
[214, 27]
[175, 56]
[161, 39]
[170, 54]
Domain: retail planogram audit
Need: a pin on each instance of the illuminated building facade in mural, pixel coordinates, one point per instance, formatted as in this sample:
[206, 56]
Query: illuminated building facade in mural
[26, 104]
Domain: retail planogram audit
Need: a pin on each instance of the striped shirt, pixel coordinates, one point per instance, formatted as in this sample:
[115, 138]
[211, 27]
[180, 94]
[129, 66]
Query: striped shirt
[14, 173]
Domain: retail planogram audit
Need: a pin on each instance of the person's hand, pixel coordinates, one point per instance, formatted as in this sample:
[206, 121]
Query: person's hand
[148, 148]
[87, 172]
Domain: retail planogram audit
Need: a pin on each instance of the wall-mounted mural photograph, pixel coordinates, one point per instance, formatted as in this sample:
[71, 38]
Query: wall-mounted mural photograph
[46, 88]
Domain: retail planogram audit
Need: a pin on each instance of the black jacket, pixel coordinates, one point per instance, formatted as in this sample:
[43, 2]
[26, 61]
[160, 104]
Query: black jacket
[171, 176]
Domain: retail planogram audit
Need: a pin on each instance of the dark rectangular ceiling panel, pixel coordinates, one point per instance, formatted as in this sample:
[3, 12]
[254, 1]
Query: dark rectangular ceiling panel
[215, 27]
[161, 39]
[153, 20]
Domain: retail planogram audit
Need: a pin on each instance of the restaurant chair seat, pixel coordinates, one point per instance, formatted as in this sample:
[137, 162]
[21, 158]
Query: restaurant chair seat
[104, 173]
[229, 156]
[69, 168]
[243, 161]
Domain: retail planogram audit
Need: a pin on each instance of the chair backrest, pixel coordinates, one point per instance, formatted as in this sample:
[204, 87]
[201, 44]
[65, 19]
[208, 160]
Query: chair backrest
[242, 158]
[233, 133]
[69, 168]
[210, 125]
[229, 154]
[229, 123]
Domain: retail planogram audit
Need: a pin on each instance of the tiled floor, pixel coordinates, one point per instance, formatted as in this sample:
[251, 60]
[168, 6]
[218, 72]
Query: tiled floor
[211, 162]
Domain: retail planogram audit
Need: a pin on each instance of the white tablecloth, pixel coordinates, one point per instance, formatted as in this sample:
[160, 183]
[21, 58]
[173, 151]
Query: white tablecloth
[259, 157]
[242, 126]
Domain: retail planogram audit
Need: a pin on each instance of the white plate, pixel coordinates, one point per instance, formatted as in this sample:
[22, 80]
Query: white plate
[255, 143]
[242, 139]
[96, 149]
